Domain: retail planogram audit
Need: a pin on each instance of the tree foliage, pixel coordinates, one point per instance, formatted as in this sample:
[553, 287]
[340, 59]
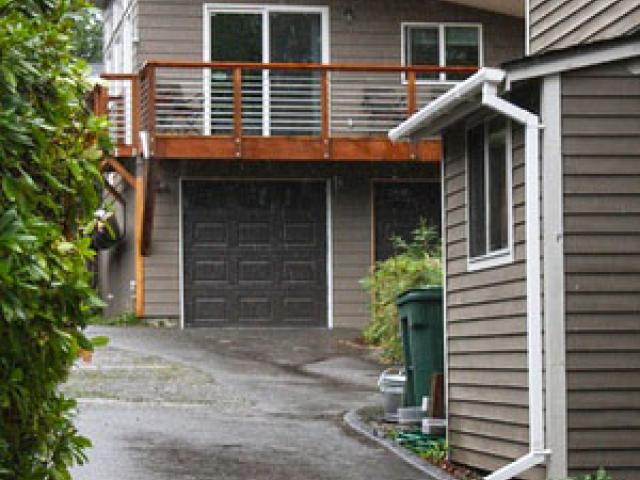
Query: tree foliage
[86, 35]
[416, 263]
[50, 146]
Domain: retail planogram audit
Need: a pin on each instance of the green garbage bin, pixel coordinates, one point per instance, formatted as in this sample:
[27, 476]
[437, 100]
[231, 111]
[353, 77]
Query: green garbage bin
[421, 327]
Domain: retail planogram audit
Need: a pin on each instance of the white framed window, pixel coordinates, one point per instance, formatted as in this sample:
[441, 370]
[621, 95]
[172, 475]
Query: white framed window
[442, 44]
[127, 53]
[489, 193]
[263, 33]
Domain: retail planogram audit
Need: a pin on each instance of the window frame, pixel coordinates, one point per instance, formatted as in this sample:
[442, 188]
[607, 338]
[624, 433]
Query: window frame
[503, 256]
[264, 10]
[442, 53]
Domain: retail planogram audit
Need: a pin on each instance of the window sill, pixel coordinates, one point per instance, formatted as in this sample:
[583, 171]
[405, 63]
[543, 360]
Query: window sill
[490, 260]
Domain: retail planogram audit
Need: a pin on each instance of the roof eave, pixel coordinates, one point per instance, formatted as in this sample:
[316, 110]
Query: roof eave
[448, 108]
[572, 58]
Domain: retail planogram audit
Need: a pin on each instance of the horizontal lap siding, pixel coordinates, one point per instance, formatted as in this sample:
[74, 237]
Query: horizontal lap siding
[562, 23]
[601, 128]
[486, 329]
[174, 29]
[351, 234]
[116, 265]
[162, 292]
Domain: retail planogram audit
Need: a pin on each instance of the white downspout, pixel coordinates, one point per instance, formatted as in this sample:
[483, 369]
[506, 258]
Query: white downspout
[537, 453]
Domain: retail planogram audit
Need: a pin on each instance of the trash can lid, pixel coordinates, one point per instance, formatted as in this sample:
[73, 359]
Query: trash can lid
[392, 377]
[431, 292]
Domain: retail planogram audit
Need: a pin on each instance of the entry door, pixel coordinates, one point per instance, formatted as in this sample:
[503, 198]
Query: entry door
[275, 102]
[254, 253]
[398, 209]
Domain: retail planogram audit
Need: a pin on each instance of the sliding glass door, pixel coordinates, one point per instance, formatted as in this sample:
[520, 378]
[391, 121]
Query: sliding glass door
[295, 94]
[274, 102]
[236, 37]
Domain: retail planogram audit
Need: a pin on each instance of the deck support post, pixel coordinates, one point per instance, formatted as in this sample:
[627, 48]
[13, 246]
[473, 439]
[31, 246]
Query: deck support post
[139, 259]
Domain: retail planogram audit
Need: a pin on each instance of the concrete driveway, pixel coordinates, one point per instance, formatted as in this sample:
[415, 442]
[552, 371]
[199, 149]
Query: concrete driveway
[228, 404]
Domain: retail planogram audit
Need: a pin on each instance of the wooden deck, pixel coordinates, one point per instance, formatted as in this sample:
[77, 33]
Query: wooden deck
[268, 112]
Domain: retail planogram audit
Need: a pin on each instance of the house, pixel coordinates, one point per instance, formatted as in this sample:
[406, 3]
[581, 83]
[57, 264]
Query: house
[541, 202]
[252, 174]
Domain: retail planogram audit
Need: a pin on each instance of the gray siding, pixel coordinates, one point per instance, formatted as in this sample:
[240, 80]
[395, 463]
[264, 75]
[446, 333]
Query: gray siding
[161, 269]
[562, 23]
[174, 29]
[117, 265]
[351, 208]
[601, 161]
[352, 224]
[486, 329]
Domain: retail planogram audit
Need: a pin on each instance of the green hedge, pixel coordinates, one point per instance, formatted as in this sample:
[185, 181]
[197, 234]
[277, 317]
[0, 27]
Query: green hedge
[49, 161]
[416, 263]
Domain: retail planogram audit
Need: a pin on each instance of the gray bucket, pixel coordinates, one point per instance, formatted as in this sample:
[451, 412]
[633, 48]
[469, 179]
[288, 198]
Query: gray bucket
[391, 383]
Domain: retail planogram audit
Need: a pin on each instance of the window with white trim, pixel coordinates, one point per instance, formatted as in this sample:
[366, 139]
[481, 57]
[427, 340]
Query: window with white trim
[489, 203]
[451, 44]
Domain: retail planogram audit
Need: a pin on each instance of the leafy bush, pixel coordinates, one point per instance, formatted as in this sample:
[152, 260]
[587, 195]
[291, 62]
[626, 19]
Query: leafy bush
[416, 263]
[601, 474]
[49, 161]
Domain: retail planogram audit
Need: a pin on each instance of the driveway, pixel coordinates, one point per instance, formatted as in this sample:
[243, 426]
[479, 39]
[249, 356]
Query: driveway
[228, 404]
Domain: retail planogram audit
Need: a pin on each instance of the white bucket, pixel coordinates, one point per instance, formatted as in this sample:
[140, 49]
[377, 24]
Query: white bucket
[391, 384]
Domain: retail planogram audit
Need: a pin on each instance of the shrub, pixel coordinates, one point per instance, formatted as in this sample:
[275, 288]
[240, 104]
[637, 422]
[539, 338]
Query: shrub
[601, 474]
[416, 263]
[49, 161]
[125, 319]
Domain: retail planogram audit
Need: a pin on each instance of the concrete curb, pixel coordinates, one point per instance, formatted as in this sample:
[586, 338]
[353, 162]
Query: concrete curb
[353, 420]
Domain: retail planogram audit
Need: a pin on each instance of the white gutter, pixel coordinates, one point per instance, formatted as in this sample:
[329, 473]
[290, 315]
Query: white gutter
[537, 451]
[462, 92]
[487, 80]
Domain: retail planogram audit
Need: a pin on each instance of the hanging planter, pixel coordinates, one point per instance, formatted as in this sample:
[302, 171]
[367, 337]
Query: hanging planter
[107, 233]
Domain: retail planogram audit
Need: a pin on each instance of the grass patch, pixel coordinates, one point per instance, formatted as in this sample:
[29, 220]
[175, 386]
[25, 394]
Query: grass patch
[126, 319]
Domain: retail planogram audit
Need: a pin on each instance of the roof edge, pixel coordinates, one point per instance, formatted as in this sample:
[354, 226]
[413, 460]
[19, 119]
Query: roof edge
[455, 97]
[572, 58]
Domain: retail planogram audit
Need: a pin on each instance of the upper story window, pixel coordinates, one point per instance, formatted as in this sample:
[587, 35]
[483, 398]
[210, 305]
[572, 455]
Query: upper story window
[448, 44]
[489, 203]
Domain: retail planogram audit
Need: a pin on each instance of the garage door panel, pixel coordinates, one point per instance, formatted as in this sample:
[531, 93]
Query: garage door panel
[207, 270]
[303, 234]
[259, 261]
[300, 310]
[208, 309]
[210, 234]
[255, 233]
[256, 271]
[255, 308]
[300, 272]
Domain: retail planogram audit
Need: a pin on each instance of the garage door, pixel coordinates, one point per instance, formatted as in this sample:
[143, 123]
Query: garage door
[254, 253]
[398, 209]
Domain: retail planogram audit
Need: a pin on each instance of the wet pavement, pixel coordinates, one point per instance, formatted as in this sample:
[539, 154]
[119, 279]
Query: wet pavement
[228, 404]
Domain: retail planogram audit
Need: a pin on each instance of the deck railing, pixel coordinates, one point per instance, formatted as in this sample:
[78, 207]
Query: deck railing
[239, 100]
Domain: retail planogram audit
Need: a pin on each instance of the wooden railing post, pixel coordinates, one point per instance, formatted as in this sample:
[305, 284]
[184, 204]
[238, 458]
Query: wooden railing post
[324, 113]
[237, 110]
[412, 107]
[135, 113]
[100, 100]
[151, 108]
[411, 92]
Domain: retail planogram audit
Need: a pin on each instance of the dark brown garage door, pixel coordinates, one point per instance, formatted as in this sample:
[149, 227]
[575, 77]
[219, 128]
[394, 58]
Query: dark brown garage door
[254, 253]
[399, 206]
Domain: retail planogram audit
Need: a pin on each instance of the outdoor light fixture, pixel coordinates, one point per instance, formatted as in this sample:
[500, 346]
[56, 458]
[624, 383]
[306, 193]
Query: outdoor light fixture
[348, 14]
